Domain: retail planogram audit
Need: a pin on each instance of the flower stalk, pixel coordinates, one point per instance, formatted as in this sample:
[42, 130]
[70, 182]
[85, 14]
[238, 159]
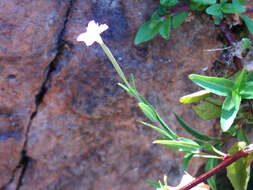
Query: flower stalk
[115, 64]
[229, 160]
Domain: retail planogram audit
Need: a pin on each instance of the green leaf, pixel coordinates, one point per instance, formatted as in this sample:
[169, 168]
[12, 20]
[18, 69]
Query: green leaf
[204, 2]
[216, 20]
[250, 76]
[215, 10]
[193, 131]
[248, 22]
[239, 171]
[241, 136]
[246, 43]
[153, 183]
[195, 97]
[214, 101]
[126, 89]
[229, 110]
[168, 3]
[133, 83]
[233, 8]
[179, 18]
[182, 146]
[159, 130]
[241, 2]
[240, 81]
[211, 163]
[162, 10]
[207, 110]
[165, 126]
[148, 111]
[219, 86]
[146, 32]
[247, 91]
[165, 28]
[196, 5]
[186, 160]
[223, 1]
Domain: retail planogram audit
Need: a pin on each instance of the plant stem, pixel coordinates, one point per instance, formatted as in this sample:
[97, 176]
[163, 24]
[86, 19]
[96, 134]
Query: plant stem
[242, 153]
[115, 64]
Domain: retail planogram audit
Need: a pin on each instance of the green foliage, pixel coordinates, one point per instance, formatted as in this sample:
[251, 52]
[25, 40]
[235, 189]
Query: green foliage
[148, 111]
[207, 110]
[168, 3]
[193, 131]
[241, 136]
[239, 171]
[234, 91]
[248, 22]
[246, 43]
[165, 28]
[195, 97]
[186, 160]
[219, 86]
[146, 32]
[162, 20]
[179, 18]
[183, 145]
[211, 163]
[223, 7]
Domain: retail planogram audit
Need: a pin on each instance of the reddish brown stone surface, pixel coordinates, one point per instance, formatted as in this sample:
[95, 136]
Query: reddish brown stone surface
[29, 32]
[85, 134]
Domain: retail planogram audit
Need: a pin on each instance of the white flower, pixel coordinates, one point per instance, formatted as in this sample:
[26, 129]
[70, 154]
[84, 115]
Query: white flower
[93, 33]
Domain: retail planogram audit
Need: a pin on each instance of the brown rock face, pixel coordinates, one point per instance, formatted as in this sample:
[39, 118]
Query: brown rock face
[29, 32]
[83, 131]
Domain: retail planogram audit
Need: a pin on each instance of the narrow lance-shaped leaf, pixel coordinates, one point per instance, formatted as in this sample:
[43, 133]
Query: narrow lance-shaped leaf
[165, 126]
[133, 82]
[153, 183]
[186, 160]
[210, 164]
[148, 111]
[219, 86]
[195, 97]
[159, 130]
[193, 131]
[126, 89]
[179, 145]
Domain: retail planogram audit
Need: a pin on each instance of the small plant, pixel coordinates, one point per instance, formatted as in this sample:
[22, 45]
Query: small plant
[234, 91]
[237, 161]
[165, 19]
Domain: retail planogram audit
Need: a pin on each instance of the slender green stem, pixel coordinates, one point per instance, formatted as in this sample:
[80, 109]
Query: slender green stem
[115, 64]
